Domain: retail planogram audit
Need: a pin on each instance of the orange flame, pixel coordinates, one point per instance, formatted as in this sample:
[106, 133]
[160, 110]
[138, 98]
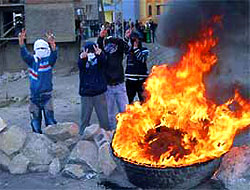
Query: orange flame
[177, 126]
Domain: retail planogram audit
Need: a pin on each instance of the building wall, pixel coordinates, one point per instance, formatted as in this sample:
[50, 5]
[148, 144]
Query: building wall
[90, 8]
[57, 16]
[131, 9]
[109, 16]
[144, 9]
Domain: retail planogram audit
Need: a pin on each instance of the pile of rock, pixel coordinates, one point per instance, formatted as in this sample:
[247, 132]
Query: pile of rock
[58, 151]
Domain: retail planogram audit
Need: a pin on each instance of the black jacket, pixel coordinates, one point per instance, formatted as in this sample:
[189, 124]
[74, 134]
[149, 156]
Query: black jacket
[114, 49]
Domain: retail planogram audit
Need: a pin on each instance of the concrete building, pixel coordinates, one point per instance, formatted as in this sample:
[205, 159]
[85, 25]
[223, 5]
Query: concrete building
[38, 17]
[131, 9]
[89, 9]
[113, 10]
[151, 9]
[142, 10]
[109, 10]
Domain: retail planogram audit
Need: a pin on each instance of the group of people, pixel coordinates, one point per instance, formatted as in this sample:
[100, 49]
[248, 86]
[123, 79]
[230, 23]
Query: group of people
[149, 27]
[118, 28]
[104, 86]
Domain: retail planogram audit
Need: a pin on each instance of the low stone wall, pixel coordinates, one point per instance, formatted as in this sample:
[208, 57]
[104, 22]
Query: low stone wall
[60, 150]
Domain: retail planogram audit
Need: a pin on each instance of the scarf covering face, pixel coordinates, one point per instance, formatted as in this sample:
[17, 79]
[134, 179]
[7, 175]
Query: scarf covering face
[41, 48]
[92, 60]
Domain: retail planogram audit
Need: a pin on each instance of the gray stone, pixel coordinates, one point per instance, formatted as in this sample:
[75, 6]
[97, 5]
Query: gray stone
[102, 137]
[12, 140]
[38, 168]
[3, 125]
[37, 149]
[85, 152]
[4, 161]
[61, 131]
[74, 171]
[91, 131]
[70, 143]
[234, 170]
[55, 167]
[59, 150]
[19, 164]
[106, 162]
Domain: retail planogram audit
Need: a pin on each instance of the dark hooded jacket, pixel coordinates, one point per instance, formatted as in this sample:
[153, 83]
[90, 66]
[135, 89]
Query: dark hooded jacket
[114, 49]
[92, 79]
[136, 58]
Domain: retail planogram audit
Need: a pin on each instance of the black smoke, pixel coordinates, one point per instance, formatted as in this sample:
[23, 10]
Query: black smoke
[182, 22]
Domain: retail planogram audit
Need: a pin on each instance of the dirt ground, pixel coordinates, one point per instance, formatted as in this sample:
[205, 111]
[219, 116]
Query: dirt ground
[67, 108]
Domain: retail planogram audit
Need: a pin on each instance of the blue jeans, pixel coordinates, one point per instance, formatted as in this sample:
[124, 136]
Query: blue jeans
[116, 98]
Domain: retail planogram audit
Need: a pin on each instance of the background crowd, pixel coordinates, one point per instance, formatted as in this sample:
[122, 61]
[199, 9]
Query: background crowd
[118, 29]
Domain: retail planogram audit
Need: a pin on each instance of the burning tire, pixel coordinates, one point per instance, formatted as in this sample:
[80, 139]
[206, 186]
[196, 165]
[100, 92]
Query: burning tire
[171, 177]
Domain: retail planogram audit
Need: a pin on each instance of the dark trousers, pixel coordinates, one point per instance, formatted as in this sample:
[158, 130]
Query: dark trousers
[133, 87]
[87, 105]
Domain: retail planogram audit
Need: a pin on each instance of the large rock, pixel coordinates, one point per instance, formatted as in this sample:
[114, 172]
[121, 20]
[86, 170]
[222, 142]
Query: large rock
[234, 170]
[55, 167]
[106, 162]
[74, 171]
[102, 137]
[19, 164]
[3, 125]
[70, 143]
[37, 149]
[4, 161]
[85, 152]
[91, 131]
[61, 131]
[59, 150]
[12, 140]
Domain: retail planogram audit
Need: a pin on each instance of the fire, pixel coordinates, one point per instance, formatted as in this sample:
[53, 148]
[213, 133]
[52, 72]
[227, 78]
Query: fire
[177, 125]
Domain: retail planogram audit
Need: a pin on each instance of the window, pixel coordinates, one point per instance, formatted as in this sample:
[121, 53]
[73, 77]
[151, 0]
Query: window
[158, 9]
[89, 9]
[149, 10]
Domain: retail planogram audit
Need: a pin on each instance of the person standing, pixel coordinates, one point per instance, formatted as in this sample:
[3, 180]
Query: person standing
[40, 76]
[93, 86]
[116, 94]
[153, 27]
[136, 68]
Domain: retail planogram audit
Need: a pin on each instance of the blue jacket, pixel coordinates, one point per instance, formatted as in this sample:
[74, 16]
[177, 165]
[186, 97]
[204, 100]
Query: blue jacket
[40, 71]
[92, 76]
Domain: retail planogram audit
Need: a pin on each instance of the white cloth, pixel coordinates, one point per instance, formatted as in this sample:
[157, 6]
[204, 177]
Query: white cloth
[91, 56]
[41, 48]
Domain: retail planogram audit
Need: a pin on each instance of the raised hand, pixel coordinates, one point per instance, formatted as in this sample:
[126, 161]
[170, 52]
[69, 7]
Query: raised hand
[84, 54]
[98, 51]
[51, 40]
[21, 37]
[103, 33]
[128, 33]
